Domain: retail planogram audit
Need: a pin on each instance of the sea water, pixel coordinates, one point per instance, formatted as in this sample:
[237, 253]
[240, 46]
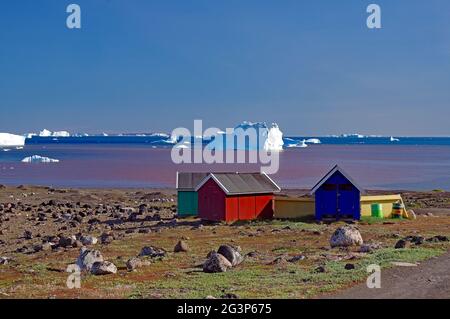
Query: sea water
[413, 163]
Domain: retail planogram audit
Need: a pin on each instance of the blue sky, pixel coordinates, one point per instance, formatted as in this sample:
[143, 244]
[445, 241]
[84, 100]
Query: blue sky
[140, 65]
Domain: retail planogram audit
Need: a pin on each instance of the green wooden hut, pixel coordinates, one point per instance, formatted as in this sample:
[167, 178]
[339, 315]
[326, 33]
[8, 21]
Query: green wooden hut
[187, 196]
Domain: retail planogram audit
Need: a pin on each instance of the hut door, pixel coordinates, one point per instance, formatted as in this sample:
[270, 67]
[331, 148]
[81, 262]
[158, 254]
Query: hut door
[347, 201]
[329, 200]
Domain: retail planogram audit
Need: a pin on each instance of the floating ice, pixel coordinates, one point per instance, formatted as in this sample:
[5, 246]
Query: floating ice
[274, 141]
[7, 139]
[262, 137]
[61, 134]
[47, 133]
[39, 159]
[393, 139]
[301, 144]
[313, 141]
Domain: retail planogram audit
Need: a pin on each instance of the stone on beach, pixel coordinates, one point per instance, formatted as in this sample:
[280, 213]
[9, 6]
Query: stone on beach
[100, 268]
[88, 258]
[136, 262]
[88, 240]
[231, 254]
[369, 247]
[181, 246]
[345, 236]
[152, 252]
[216, 263]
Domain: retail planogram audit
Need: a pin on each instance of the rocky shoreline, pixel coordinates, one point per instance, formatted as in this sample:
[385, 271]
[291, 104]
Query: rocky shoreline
[115, 231]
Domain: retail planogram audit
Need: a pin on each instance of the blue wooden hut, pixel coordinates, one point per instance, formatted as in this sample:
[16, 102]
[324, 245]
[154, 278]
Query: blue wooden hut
[337, 196]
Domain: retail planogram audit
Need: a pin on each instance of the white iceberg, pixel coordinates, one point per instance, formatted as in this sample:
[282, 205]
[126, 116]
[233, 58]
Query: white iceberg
[301, 144]
[160, 135]
[39, 159]
[357, 135]
[7, 139]
[250, 136]
[313, 141]
[47, 133]
[61, 134]
[274, 141]
[393, 139]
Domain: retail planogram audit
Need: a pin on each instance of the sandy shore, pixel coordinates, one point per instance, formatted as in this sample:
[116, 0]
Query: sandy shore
[42, 231]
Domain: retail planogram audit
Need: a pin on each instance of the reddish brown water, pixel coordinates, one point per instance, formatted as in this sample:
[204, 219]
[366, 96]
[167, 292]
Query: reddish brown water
[373, 166]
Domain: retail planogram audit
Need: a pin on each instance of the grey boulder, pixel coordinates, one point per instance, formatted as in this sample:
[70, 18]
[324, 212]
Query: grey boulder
[346, 236]
[88, 258]
[231, 253]
[101, 268]
[216, 263]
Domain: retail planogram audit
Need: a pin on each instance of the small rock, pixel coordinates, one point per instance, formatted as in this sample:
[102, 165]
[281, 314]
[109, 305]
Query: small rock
[440, 238]
[88, 240]
[66, 242]
[216, 263]
[181, 246]
[106, 238]
[278, 260]
[349, 266]
[4, 260]
[370, 247]
[418, 240]
[43, 247]
[142, 208]
[28, 235]
[231, 253]
[345, 236]
[401, 244]
[136, 262]
[320, 269]
[296, 258]
[100, 268]
[87, 258]
[152, 252]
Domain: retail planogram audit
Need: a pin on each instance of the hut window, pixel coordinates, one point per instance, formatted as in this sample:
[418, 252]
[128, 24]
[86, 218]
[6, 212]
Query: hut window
[329, 187]
[346, 187]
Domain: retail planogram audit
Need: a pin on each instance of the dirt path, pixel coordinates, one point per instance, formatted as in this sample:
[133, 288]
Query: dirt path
[430, 280]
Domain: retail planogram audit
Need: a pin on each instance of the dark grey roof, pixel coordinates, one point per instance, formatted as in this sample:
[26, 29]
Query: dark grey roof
[189, 181]
[243, 183]
[335, 169]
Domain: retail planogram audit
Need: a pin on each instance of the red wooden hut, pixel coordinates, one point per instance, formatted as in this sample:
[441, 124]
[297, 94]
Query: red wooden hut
[236, 196]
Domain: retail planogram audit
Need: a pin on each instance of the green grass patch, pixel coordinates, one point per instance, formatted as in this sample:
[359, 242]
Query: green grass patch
[375, 220]
[291, 280]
